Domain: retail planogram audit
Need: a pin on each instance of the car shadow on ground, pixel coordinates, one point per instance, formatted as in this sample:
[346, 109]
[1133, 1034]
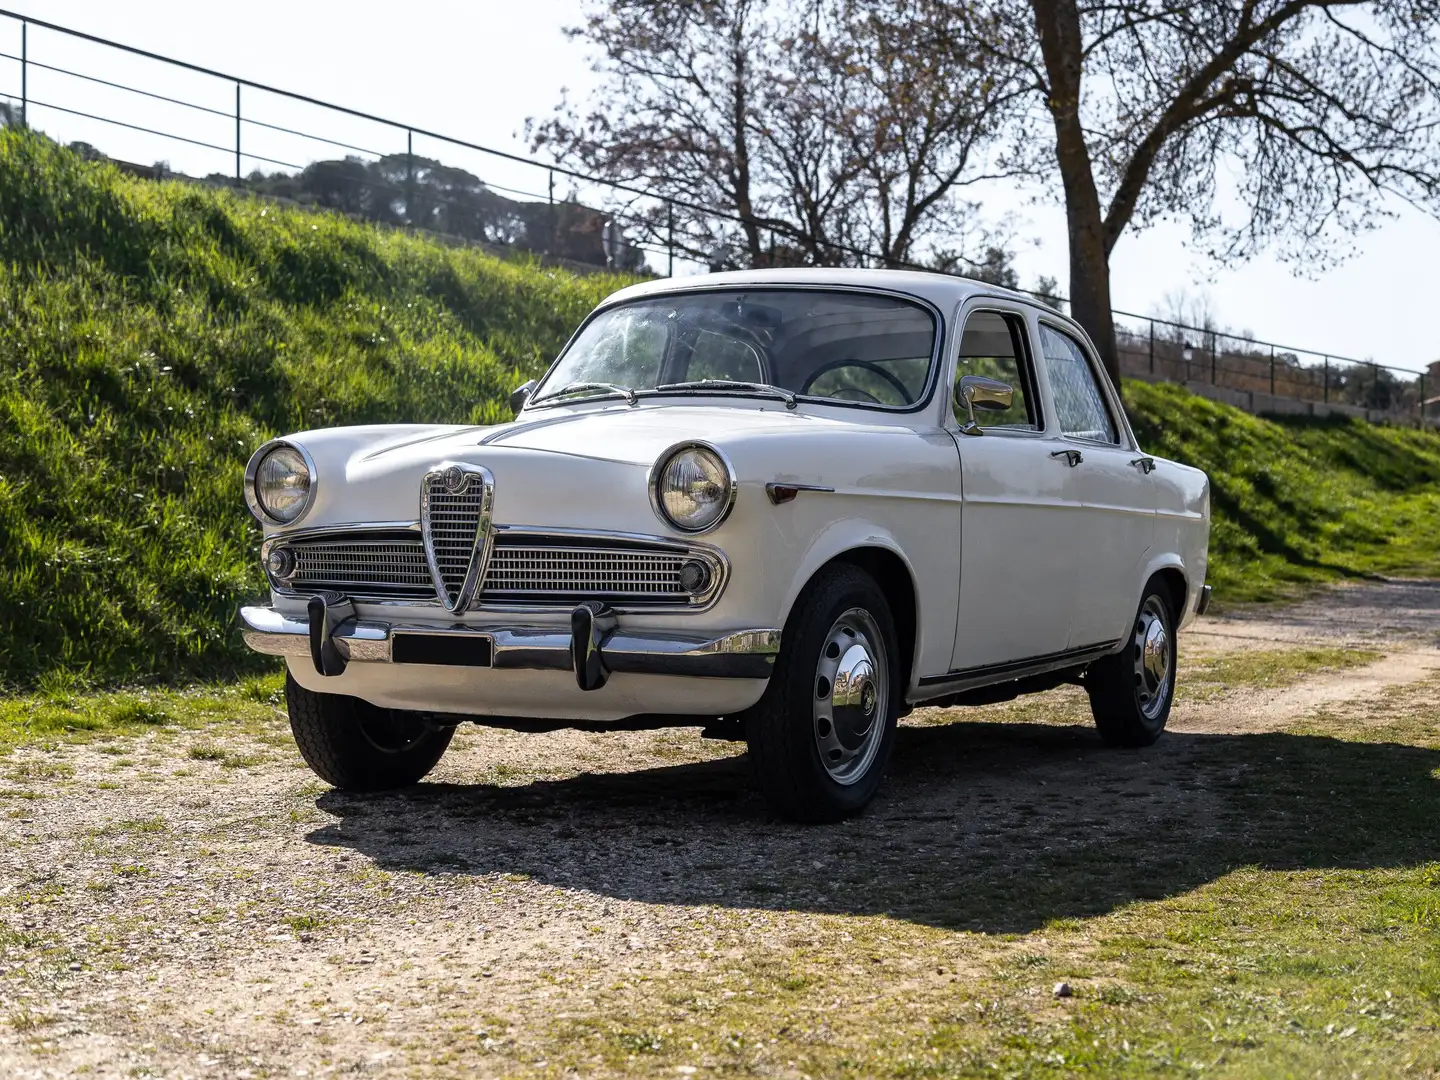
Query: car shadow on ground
[981, 826]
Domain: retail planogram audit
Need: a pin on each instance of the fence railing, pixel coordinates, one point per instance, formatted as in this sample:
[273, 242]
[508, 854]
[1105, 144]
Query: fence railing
[206, 124]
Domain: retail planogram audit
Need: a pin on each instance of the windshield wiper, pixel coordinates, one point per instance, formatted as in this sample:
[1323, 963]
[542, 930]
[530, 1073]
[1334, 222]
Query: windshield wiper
[726, 385]
[582, 387]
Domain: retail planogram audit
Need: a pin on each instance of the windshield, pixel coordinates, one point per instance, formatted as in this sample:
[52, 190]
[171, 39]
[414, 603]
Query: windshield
[856, 348]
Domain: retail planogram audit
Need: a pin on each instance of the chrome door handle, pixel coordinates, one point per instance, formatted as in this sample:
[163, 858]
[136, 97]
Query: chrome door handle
[1147, 464]
[1072, 457]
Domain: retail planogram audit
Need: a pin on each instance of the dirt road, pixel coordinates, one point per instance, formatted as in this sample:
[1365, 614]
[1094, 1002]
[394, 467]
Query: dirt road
[547, 904]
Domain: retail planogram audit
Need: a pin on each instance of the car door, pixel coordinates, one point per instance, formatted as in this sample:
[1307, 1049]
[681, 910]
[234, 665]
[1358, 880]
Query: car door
[1114, 524]
[1017, 565]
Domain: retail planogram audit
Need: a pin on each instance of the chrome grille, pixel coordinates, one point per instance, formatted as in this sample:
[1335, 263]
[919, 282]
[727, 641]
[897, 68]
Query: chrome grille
[540, 572]
[386, 567]
[452, 519]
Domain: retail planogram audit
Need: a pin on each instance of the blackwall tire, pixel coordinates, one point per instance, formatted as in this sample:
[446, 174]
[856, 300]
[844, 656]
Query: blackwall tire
[356, 746]
[820, 738]
[1132, 691]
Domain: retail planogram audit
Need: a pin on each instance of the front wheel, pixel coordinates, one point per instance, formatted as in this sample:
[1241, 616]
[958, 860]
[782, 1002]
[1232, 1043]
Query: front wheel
[357, 746]
[1131, 691]
[820, 737]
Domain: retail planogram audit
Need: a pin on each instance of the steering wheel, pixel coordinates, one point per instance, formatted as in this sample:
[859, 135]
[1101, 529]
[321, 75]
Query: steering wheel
[866, 365]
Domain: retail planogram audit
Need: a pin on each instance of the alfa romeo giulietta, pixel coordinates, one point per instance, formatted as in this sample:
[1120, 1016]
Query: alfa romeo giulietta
[786, 506]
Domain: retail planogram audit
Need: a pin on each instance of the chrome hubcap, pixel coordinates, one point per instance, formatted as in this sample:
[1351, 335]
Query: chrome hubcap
[1152, 651]
[852, 696]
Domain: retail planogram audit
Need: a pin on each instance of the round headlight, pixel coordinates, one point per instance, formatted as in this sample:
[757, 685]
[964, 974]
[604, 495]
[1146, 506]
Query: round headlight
[693, 489]
[280, 483]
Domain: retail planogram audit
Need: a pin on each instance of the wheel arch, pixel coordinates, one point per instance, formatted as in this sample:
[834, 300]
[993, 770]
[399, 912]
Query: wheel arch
[896, 578]
[1172, 575]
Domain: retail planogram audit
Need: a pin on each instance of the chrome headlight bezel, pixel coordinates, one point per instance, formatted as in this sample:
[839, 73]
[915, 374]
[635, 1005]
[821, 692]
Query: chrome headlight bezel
[257, 506]
[657, 478]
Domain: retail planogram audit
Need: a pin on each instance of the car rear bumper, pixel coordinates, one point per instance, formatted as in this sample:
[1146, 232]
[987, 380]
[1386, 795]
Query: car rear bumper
[330, 637]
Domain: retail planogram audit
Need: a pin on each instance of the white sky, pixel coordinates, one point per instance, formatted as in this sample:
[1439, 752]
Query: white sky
[476, 70]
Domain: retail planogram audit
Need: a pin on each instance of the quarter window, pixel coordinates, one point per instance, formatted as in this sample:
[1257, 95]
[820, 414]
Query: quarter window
[1079, 404]
[993, 346]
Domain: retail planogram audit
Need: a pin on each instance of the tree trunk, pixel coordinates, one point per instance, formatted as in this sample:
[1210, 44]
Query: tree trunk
[1058, 23]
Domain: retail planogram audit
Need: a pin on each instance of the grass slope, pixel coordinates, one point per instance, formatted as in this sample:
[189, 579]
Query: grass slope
[1300, 500]
[151, 335]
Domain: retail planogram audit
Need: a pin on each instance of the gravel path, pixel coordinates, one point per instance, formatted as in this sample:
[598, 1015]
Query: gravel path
[161, 915]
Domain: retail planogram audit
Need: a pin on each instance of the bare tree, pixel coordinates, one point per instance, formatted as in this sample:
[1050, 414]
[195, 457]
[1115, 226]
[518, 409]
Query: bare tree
[819, 130]
[1265, 123]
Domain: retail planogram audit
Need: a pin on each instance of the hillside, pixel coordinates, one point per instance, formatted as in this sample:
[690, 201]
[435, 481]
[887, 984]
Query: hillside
[151, 335]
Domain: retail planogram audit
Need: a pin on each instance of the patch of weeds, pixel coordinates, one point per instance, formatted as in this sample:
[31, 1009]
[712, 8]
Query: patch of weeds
[239, 761]
[129, 870]
[639, 1042]
[136, 711]
[304, 924]
[206, 752]
[26, 1021]
[41, 770]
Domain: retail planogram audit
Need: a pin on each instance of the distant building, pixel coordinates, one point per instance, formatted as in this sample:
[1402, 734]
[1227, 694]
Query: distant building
[1430, 406]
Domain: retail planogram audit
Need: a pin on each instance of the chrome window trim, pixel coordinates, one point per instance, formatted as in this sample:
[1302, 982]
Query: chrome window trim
[937, 351]
[986, 304]
[484, 533]
[252, 467]
[700, 603]
[652, 484]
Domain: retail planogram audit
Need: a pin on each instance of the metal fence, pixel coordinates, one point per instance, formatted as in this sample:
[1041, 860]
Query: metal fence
[207, 125]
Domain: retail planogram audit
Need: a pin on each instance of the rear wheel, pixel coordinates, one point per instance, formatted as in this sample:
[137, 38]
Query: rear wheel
[1131, 691]
[357, 746]
[820, 737]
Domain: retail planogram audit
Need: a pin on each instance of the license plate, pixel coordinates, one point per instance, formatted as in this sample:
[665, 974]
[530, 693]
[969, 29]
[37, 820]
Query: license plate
[446, 650]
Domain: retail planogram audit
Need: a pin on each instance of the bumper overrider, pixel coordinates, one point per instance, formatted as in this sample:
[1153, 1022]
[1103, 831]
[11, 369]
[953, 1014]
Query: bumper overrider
[332, 637]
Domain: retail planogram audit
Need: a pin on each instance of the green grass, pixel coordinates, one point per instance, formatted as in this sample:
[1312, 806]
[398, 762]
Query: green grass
[1265, 669]
[1299, 501]
[151, 335]
[64, 716]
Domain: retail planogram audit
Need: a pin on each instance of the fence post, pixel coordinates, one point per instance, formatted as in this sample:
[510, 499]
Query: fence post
[553, 230]
[409, 177]
[1375, 385]
[1272, 370]
[670, 238]
[24, 74]
[1214, 356]
[237, 133]
[1152, 346]
[1422, 401]
[1326, 392]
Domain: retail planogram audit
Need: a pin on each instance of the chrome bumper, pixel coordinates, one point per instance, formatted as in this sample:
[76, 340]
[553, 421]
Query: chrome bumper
[332, 637]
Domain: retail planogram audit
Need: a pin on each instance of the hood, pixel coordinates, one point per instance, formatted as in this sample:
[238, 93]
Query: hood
[621, 434]
[577, 467]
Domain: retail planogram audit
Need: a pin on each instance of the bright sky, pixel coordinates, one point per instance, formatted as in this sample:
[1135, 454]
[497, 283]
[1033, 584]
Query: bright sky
[475, 70]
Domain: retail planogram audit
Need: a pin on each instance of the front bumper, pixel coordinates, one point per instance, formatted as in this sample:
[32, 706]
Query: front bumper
[331, 637]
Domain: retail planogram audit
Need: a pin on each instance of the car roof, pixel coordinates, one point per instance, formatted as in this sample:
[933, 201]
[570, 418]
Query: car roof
[942, 290]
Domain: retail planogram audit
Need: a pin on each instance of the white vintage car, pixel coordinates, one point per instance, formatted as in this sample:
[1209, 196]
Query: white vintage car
[785, 505]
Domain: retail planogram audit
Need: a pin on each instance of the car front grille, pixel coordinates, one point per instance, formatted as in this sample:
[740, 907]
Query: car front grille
[539, 572]
[524, 568]
[453, 519]
[383, 566]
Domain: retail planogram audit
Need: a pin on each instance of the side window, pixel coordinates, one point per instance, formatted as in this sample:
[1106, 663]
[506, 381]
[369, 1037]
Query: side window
[1079, 404]
[993, 345]
[719, 357]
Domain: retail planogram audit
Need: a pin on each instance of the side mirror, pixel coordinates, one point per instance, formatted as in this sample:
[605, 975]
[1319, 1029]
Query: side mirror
[521, 394]
[977, 392]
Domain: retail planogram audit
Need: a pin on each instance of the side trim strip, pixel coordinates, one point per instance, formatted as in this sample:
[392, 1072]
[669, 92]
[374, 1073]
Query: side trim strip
[986, 674]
